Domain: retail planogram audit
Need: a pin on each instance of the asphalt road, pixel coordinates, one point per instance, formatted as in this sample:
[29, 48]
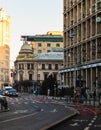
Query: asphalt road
[30, 113]
[88, 119]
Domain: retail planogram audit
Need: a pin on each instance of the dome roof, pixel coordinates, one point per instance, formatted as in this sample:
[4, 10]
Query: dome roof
[26, 46]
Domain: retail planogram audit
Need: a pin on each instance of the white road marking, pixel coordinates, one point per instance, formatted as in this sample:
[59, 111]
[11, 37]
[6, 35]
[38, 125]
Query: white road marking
[90, 124]
[54, 110]
[25, 102]
[99, 125]
[78, 120]
[92, 121]
[94, 117]
[74, 124]
[42, 109]
[17, 118]
[87, 128]
[21, 111]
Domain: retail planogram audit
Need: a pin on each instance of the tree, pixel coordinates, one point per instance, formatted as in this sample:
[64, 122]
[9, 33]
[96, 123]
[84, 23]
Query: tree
[49, 83]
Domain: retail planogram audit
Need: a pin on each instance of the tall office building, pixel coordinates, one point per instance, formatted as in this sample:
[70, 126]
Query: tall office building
[4, 47]
[82, 44]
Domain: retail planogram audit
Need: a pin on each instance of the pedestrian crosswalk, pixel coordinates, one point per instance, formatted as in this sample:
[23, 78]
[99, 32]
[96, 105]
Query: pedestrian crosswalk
[28, 99]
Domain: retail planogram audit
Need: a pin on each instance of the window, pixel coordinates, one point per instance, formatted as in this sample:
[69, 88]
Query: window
[28, 66]
[56, 66]
[30, 76]
[48, 44]
[43, 66]
[45, 76]
[39, 44]
[21, 77]
[22, 66]
[48, 50]
[32, 66]
[57, 45]
[39, 51]
[49, 66]
[19, 66]
[55, 76]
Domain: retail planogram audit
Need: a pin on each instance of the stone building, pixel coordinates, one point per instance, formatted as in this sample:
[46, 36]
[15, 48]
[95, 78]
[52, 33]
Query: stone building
[33, 69]
[82, 44]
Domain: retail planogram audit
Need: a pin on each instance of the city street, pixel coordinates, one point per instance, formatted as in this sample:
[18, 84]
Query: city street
[28, 112]
[41, 113]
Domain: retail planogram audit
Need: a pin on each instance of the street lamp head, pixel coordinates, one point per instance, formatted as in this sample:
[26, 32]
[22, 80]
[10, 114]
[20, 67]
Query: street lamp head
[98, 19]
[72, 35]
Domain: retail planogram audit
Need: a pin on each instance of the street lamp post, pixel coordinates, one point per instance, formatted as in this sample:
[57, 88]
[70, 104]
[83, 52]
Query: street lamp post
[74, 75]
[75, 68]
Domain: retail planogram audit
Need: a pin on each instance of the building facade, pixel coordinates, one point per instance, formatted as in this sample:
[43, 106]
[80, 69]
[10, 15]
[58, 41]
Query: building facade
[24, 67]
[4, 47]
[82, 44]
[35, 68]
[49, 63]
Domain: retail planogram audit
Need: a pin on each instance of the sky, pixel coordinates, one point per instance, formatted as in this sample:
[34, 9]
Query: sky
[31, 17]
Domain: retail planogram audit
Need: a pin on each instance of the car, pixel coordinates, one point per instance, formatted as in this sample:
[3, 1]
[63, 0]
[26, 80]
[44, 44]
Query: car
[1, 92]
[9, 91]
[12, 92]
[6, 90]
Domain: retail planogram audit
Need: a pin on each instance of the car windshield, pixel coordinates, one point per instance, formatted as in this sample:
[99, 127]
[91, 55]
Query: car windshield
[12, 90]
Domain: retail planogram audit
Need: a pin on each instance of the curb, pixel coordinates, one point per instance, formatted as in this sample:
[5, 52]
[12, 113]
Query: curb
[60, 121]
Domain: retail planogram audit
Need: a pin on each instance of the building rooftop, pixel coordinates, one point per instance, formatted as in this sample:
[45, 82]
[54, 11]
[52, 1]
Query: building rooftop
[44, 38]
[26, 46]
[50, 56]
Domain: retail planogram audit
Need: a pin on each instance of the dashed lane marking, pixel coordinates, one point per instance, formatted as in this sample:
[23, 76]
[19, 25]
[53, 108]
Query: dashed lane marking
[87, 128]
[99, 125]
[74, 124]
[54, 110]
